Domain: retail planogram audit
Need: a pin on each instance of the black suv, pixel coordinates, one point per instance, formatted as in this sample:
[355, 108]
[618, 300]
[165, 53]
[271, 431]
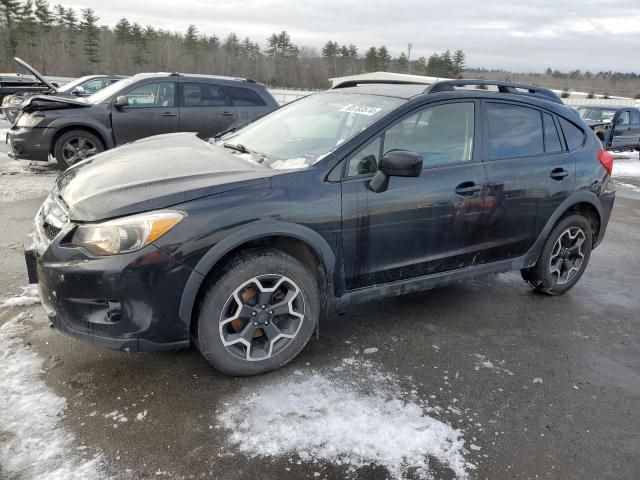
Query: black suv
[618, 128]
[140, 106]
[344, 196]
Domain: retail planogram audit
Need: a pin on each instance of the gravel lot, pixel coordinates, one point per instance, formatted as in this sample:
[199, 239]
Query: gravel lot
[514, 384]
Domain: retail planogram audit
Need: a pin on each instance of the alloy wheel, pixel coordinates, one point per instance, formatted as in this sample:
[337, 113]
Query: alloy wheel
[77, 149]
[261, 317]
[567, 255]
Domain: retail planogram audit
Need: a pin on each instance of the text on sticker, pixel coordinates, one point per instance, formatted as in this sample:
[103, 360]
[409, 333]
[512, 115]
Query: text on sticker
[367, 110]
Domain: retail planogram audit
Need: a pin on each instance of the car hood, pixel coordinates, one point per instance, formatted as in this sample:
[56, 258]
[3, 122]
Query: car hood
[152, 173]
[52, 102]
[35, 73]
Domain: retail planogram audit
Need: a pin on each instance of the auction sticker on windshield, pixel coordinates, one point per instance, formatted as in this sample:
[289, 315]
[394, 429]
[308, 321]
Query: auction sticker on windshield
[367, 110]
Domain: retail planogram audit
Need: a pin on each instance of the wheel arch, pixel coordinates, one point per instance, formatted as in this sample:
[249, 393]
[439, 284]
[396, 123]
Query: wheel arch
[88, 128]
[586, 204]
[298, 241]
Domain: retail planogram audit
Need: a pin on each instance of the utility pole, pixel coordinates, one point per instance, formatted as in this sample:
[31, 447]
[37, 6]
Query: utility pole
[409, 47]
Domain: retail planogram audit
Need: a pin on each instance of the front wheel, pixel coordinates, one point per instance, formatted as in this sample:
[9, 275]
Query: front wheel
[74, 146]
[258, 313]
[564, 257]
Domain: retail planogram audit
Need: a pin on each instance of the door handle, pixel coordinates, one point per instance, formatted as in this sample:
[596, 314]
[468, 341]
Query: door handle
[559, 173]
[169, 114]
[468, 189]
[227, 114]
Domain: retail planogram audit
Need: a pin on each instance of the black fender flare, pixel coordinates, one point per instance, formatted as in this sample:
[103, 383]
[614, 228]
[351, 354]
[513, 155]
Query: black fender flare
[574, 199]
[255, 231]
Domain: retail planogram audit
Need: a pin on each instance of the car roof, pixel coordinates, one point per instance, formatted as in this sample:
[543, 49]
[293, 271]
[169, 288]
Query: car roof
[196, 76]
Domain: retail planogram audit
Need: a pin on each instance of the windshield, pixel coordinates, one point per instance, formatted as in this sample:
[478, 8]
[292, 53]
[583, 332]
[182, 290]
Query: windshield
[301, 133]
[67, 87]
[597, 114]
[106, 93]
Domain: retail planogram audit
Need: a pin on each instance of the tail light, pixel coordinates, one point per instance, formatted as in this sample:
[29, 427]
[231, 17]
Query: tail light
[606, 159]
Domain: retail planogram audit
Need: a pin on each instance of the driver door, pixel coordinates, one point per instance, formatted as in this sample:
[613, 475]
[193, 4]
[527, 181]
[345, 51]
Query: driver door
[622, 132]
[422, 225]
[152, 110]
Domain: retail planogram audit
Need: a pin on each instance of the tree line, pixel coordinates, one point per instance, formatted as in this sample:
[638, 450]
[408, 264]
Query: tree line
[59, 40]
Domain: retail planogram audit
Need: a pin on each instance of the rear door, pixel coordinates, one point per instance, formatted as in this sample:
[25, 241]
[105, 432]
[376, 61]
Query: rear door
[152, 110]
[634, 131]
[249, 103]
[205, 108]
[529, 173]
[623, 134]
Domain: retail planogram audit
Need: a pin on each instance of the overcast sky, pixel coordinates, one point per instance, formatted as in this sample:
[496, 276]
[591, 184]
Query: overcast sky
[518, 35]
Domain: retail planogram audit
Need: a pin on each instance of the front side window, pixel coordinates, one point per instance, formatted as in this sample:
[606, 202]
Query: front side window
[366, 160]
[203, 95]
[92, 86]
[158, 94]
[625, 119]
[304, 131]
[514, 131]
[442, 134]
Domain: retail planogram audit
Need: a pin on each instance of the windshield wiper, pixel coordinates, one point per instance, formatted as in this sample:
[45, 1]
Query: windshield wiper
[258, 157]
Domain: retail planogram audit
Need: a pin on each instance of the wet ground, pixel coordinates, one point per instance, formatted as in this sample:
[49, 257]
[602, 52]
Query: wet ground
[541, 387]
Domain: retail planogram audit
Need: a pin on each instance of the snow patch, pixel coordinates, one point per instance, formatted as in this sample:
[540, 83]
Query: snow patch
[370, 350]
[29, 296]
[23, 180]
[350, 420]
[484, 362]
[626, 167]
[32, 444]
[290, 164]
[628, 186]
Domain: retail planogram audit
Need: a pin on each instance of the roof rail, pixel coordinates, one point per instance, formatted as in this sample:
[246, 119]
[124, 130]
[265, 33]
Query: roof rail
[355, 83]
[503, 87]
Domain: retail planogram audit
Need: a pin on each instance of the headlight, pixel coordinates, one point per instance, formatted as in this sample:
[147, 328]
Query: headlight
[26, 120]
[125, 234]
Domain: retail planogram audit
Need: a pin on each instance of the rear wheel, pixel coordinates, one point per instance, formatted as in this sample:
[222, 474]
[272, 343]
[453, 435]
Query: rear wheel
[258, 313]
[76, 145]
[564, 257]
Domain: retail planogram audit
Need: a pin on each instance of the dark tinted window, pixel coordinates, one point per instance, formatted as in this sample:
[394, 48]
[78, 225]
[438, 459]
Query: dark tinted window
[442, 134]
[551, 139]
[245, 97]
[635, 116]
[514, 131]
[572, 134]
[203, 95]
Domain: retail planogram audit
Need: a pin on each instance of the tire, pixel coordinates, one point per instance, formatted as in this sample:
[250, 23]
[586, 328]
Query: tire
[85, 143]
[282, 332]
[562, 263]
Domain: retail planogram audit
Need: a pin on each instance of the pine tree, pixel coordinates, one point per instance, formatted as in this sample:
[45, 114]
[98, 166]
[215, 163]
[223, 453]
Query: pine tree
[122, 31]
[458, 63]
[9, 12]
[91, 33]
[384, 59]
[371, 62]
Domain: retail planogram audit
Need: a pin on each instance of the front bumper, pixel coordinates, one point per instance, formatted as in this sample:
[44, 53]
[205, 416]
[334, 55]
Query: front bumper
[124, 302]
[29, 143]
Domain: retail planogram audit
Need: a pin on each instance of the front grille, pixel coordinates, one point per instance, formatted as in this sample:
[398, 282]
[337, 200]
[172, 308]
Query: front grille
[50, 231]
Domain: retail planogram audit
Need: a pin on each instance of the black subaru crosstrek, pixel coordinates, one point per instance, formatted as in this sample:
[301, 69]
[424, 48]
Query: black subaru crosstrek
[242, 245]
[147, 104]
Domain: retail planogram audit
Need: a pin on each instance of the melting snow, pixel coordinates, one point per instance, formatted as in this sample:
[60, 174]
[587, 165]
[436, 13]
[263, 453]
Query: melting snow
[352, 421]
[290, 164]
[628, 186]
[22, 180]
[32, 444]
[370, 350]
[29, 296]
[626, 167]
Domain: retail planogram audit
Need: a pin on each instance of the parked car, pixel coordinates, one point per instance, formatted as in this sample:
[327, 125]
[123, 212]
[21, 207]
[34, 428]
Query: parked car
[618, 128]
[72, 129]
[80, 87]
[15, 84]
[345, 196]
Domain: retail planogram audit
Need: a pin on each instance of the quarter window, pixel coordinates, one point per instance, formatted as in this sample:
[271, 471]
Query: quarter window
[159, 94]
[244, 97]
[442, 134]
[366, 160]
[514, 131]
[572, 134]
[203, 95]
[551, 138]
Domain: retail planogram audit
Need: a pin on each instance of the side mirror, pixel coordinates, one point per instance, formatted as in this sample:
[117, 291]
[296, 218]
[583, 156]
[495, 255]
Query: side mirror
[396, 163]
[78, 91]
[121, 101]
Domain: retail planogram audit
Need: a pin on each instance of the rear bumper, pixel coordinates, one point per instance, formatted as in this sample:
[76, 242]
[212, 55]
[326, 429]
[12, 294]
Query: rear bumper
[606, 201]
[124, 302]
[29, 143]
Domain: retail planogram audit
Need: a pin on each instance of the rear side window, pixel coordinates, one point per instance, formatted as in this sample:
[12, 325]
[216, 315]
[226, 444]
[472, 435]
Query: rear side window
[203, 95]
[551, 138]
[245, 97]
[572, 134]
[514, 131]
[635, 116]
